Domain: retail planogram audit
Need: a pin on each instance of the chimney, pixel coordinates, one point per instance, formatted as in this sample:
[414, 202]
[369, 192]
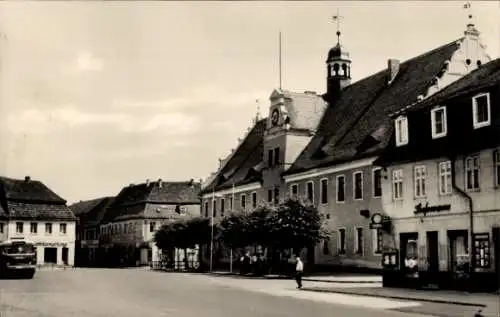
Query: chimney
[393, 69]
[309, 92]
[147, 182]
[27, 178]
[160, 183]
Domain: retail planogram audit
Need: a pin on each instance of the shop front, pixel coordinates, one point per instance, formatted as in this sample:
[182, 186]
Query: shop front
[436, 254]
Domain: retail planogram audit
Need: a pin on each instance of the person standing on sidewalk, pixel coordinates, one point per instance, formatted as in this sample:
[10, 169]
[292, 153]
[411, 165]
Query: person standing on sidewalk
[299, 270]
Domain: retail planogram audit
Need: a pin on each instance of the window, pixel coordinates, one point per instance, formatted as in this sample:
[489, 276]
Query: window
[206, 209]
[34, 227]
[277, 156]
[496, 164]
[48, 228]
[377, 182]
[254, 200]
[438, 121]
[358, 185]
[63, 228]
[377, 235]
[401, 131]
[243, 201]
[270, 158]
[340, 188]
[472, 173]
[397, 184]
[231, 203]
[324, 191]
[19, 227]
[444, 178]
[222, 206]
[481, 110]
[276, 195]
[152, 226]
[214, 207]
[359, 240]
[419, 181]
[310, 191]
[269, 195]
[341, 241]
[1, 227]
[294, 190]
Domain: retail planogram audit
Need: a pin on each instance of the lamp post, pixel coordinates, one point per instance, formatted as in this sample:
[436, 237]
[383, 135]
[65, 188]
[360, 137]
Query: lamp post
[212, 227]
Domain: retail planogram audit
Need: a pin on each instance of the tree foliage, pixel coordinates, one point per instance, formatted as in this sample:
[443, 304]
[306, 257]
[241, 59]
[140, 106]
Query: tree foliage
[292, 224]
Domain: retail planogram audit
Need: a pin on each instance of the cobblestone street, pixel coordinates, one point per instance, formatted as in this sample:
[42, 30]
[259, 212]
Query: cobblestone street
[135, 292]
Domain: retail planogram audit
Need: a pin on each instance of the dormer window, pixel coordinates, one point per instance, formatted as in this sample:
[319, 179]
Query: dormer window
[401, 131]
[438, 120]
[481, 110]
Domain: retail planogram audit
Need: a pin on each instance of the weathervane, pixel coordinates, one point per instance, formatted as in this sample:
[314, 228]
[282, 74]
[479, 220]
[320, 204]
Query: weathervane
[337, 18]
[468, 7]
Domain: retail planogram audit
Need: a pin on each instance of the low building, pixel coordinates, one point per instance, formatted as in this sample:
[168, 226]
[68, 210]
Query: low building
[29, 209]
[322, 147]
[129, 225]
[89, 215]
[442, 179]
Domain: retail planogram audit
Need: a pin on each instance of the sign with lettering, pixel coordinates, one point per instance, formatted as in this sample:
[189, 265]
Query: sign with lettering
[423, 209]
[51, 244]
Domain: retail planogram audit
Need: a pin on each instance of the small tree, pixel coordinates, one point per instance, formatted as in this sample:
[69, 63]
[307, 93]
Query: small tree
[296, 225]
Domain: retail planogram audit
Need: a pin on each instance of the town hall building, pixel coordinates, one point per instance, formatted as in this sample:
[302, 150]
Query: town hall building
[323, 148]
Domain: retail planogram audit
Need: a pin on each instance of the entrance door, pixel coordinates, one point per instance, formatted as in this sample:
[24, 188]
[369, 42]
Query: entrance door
[432, 256]
[496, 246]
[65, 255]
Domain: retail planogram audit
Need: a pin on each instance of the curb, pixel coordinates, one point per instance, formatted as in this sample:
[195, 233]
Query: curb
[419, 299]
[341, 281]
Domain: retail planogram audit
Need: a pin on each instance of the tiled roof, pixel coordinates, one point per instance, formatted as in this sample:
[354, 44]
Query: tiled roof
[131, 200]
[28, 190]
[31, 199]
[20, 210]
[91, 211]
[238, 169]
[358, 123]
[487, 75]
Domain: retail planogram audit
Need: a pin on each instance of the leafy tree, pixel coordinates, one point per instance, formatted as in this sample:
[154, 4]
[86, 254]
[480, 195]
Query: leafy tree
[235, 230]
[297, 225]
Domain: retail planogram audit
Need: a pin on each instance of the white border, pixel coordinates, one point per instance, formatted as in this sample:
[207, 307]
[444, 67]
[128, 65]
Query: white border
[433, 122]
[338, 241]
[415, 181]
[307, 191]
[354, 185]
[373, 181]
[337, 189]
[321, 191]
[476, 124]
[356, 238]
[404, 128]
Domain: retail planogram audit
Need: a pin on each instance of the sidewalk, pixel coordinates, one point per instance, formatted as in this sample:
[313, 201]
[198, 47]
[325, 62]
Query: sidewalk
[340, 278]
[489, 302]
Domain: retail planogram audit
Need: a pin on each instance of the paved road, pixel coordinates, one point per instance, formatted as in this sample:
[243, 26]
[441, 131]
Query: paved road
[135, 292]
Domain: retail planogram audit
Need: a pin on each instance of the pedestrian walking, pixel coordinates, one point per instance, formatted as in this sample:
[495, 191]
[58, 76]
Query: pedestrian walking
[299, 270]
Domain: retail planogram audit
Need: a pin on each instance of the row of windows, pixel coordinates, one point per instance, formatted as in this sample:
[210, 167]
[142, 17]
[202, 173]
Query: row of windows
[63, 229]
[118, 228]
[340, 180]
[481, 117]
[377, 236]
[471, 177]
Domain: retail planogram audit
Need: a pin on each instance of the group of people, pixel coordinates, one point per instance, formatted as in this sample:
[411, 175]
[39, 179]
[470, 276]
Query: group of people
[256, 264]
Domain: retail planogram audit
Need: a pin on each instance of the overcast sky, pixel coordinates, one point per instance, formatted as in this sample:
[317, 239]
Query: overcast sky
[96, 95]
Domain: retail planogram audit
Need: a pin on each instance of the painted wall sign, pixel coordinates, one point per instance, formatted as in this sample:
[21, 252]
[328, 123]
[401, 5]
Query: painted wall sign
[423, 209]
[51, 244]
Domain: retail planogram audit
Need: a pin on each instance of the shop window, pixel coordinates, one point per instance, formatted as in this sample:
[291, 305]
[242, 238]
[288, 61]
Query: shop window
[482, 250]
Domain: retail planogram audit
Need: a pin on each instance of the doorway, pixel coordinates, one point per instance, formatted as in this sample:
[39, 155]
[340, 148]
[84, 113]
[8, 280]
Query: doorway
[65, 255]
[432, 257]
[50, 255]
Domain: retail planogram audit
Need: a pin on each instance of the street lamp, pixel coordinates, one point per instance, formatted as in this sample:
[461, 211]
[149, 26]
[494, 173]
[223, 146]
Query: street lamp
[212, 227]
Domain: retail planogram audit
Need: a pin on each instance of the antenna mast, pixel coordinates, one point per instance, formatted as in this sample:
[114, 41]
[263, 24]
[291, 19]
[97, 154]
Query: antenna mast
[279, 57]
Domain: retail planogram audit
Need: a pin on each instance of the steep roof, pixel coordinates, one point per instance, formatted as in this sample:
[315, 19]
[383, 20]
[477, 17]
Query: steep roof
[31, 199]
[91, 211]
[358, 125]
[132, 200]
[242, 168]
[488, 75]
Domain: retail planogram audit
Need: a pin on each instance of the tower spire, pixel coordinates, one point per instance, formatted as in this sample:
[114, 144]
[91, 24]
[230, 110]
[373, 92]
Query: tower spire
[337, 18]
[471, 29]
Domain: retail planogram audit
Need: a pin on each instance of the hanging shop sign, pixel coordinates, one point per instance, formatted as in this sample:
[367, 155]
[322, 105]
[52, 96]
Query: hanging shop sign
[51, 244]
[379, 221]
[423, 209]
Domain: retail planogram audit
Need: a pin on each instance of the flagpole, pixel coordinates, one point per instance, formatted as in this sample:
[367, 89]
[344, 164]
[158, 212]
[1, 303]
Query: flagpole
[212, 228]
[231, 249]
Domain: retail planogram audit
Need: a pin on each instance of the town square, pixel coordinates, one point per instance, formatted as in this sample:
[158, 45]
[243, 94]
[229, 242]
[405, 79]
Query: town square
[250, 158]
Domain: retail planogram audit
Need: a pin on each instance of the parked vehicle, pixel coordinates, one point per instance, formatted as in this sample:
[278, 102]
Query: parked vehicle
[17, 259]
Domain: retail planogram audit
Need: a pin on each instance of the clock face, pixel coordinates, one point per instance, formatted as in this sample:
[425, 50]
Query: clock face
[275, 117]
[377, 218]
